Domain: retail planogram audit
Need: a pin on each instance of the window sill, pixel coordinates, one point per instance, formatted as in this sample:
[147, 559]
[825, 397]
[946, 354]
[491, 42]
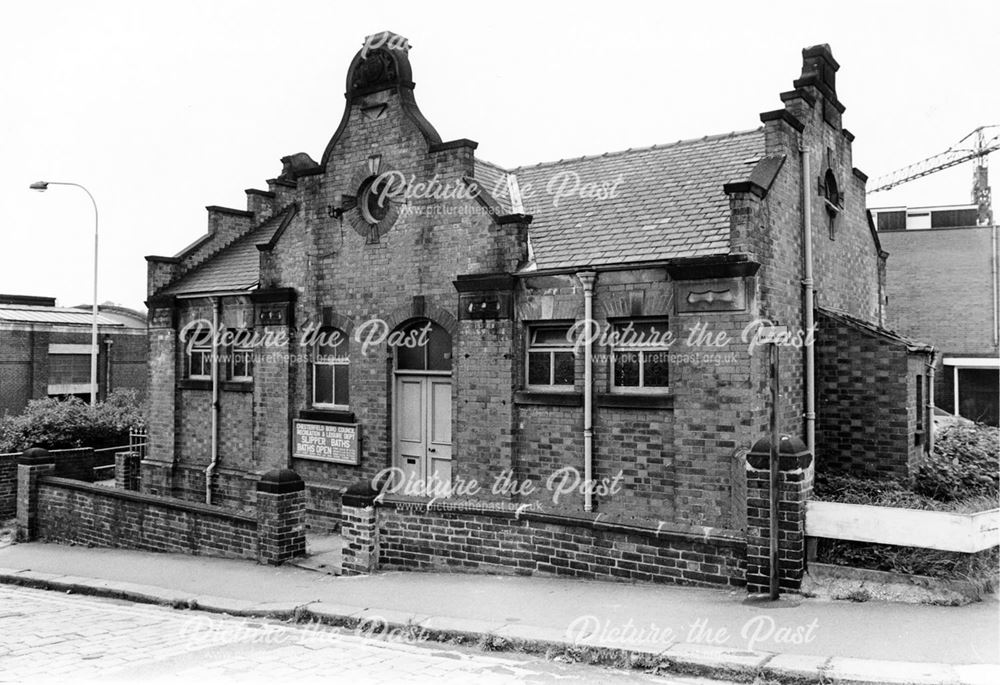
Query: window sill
[552, 398]
[206, 384]
[330, 415]
[635, 400]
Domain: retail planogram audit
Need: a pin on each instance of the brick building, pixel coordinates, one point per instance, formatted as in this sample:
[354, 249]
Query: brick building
[45, 350]
[449, 289]
[942, 288]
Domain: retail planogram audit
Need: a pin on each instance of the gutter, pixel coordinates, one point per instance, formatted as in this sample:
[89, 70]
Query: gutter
[210, 471]
[587, 278]
[808, 303]
[721, 259]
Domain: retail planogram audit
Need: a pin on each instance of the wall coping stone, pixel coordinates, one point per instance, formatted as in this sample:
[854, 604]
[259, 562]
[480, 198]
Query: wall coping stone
[280, 482]
[36, 455]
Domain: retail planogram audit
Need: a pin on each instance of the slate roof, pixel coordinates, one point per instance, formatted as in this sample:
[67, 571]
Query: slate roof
[669, 202]
[235, 267]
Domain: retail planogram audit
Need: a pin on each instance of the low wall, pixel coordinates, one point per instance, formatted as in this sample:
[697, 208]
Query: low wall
[66, 510]
[78, 512]
[412, 537]
[8, 485]
[77, 463]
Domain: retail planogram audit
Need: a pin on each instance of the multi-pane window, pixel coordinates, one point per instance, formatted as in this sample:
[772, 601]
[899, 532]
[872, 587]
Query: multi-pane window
[425, 346]
[200, 362]
[551, 362]
[331, 370]
[639, 356]
[240, 363]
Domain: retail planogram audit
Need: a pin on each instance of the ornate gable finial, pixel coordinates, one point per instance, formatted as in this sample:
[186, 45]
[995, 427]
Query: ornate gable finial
[383, 62]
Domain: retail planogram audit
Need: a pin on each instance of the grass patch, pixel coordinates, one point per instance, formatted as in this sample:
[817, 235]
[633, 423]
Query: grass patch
[979, 568]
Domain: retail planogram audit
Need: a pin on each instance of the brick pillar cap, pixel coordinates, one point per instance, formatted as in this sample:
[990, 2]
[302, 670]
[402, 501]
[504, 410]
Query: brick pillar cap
[35, 455]
[792, 454]
[280, 481]
[361, 494]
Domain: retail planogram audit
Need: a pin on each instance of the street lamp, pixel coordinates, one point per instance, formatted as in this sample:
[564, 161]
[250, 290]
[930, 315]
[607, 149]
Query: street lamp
[41, 186]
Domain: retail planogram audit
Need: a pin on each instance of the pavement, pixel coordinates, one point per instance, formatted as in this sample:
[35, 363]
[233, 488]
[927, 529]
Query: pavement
[697, 631]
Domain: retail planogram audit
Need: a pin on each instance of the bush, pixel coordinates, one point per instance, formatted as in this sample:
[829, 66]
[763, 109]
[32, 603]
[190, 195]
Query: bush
[60, 424]
[962, 464]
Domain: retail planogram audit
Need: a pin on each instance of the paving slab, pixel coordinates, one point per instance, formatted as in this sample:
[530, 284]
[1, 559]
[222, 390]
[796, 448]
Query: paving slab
[849, 670]
[978, 674]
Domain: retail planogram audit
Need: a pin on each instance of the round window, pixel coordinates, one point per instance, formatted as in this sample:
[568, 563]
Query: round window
[375, 199]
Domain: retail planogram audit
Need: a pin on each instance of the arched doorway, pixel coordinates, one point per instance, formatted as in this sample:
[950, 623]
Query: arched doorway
[422, 445]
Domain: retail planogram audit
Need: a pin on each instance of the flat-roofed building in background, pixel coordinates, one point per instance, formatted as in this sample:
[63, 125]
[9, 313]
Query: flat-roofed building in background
[941, 284]
[45, 350]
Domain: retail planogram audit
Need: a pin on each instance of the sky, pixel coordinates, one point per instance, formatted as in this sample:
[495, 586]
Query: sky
[160, 109]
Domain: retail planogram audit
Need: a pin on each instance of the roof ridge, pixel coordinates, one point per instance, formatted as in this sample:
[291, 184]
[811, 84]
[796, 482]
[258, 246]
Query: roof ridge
[658, 146]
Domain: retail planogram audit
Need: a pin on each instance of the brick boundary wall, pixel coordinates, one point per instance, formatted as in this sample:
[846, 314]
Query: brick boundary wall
[66, 510]
[8, 485]
[397, 535]
[76, 512]
[77, 463]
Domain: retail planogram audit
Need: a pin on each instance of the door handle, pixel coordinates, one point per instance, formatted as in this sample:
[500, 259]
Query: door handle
[431, 449]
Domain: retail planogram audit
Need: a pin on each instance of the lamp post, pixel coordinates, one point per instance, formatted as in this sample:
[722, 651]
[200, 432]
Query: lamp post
[41, 186]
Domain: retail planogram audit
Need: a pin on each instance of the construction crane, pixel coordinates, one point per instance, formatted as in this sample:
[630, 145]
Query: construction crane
[977, 145]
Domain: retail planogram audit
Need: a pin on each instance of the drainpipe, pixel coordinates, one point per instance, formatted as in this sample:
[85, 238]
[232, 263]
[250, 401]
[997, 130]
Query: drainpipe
[108, 342]
[996, 289]
[930, 402]
[807, 291]
[587, 279]
[954, 385]
[210, 471]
